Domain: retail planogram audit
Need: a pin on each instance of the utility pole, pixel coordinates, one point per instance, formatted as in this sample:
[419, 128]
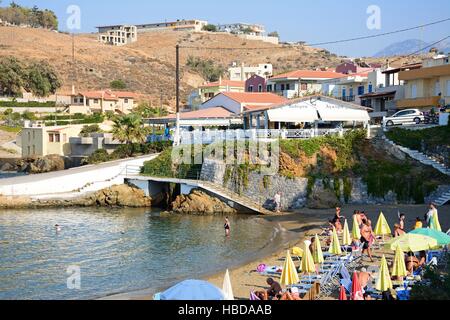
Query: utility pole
[177, 75]
[160, 103]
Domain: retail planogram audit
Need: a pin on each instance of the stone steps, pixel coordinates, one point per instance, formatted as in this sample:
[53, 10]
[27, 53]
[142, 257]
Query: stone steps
[443, 199]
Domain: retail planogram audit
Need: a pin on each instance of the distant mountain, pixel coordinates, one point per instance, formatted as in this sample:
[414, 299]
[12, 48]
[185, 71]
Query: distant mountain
[410, 46]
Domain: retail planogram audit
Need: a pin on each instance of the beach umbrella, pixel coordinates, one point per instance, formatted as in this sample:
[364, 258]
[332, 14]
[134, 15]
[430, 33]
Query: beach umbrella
[342, 294]
[296, 251]
[307, 265]
[347, 240]
[193, 290]
[442, 238]
[399, 268]
[357, 292]
[335, 246]
[412, 243]
[382, 228]
[227, 288]
[318, 254]
[434, 223]
[289, 276]
[253, 297]
[384, 282]
[356, 231]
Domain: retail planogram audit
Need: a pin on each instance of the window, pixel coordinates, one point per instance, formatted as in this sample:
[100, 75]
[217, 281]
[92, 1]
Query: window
[260, 88]
[360, 90]
[269, 88]
[250, 89]
[370, 88]
[288, 86]
[414, 91]
[51, 137]
[96, 101]
[282, 87]
[126, 100]
[57, 137]
[304, 86]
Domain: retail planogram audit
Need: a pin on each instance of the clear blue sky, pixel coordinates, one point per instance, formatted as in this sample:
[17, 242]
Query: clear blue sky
[295, 20]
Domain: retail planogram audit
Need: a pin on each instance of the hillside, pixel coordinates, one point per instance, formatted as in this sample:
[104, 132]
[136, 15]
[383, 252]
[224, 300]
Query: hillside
[148, 66]
[411, 46]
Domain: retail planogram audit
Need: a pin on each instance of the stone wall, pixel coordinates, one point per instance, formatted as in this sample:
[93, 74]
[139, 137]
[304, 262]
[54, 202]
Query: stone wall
[296, 193]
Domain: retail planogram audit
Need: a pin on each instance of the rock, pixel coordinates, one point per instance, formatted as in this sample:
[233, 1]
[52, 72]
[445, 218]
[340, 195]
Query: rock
[120, 196]
[199, 203]
[48, 163]
[322, 198]
[8, 167]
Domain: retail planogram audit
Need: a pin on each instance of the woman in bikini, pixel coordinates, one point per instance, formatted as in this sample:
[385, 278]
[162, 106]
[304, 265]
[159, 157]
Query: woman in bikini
[227, 227]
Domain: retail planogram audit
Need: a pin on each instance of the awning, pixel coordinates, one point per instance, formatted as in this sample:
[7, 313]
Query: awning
[296, 113]
[333, 112]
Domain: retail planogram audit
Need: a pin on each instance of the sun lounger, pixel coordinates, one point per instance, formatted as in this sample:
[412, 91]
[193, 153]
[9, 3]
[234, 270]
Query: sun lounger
[272, 271]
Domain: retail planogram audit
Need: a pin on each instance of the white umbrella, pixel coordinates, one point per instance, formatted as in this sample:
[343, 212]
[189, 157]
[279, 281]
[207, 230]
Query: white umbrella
[227, 289]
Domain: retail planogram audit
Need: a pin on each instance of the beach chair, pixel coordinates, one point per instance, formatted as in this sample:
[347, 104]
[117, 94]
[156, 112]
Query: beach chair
[347, 284]
[157, 296]
[271, 271]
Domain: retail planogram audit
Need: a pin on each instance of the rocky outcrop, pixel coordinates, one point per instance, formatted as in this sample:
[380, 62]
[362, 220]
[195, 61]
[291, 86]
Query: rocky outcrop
[199, 203]
[35, 165]
[115, 196]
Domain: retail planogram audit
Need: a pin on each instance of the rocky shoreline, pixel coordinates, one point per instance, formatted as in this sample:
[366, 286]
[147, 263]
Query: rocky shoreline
[115, 196]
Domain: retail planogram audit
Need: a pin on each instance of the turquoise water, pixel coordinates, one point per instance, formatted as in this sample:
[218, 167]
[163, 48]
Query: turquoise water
[118, 251]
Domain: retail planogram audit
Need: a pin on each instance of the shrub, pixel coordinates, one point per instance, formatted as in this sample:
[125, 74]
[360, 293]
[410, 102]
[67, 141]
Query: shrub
[118, 84]
[210, 28]
[98, 156]
[87, 130]
[206, 68]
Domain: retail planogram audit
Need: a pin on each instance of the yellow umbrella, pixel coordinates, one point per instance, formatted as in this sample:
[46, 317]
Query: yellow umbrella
[307, 265]
[289, 276]
[384, 282]
[335, 246]
[318, 254]
[296, 251]
[347, 240]
[435, 221]
[399, 268]
[412, 243]
[382, 227]
[356, 231]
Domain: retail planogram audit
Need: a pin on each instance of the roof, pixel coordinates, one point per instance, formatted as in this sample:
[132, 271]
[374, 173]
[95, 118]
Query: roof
[255, 98]
[317, 97]
[229, 83]
[107, 94]
[403, 68]
[301, 74]
[378, 94]
[210, 113]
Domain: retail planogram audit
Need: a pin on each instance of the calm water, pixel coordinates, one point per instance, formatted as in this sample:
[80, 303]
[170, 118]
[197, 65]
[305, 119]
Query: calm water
[117, 250]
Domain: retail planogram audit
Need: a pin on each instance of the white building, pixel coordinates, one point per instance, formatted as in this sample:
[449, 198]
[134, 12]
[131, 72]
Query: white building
[242, 28]
[244, 72]
[117, 35]
[192, 25]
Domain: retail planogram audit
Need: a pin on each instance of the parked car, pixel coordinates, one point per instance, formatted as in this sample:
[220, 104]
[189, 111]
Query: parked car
[405, 116]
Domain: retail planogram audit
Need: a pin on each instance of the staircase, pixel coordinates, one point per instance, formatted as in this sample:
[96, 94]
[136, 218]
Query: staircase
[443, 199]
[421, 157]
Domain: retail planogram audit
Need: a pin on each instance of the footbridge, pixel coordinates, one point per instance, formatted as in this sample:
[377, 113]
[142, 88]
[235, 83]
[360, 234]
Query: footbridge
[233, 199]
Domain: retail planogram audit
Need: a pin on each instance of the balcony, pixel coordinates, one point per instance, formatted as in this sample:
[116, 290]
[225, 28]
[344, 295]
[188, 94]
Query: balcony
[418, 103]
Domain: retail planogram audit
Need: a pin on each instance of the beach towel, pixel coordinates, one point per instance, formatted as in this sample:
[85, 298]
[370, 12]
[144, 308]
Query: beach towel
[261, 268]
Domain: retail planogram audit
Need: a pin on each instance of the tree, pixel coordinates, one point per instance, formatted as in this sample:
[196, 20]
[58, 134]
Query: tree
[274, 34]
[129, 129]
[87, 130]
[146, 111]
[210, 28]
[41, 79]
[118, 84]
[206, 68]
[11, 76]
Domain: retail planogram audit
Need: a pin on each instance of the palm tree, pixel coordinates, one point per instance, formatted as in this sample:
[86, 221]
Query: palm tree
[129, 129]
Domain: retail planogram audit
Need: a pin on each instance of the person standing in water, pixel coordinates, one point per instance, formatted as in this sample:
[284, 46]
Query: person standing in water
[227, 227]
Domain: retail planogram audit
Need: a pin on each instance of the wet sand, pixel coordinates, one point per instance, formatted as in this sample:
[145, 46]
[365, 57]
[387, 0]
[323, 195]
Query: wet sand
[305, 224]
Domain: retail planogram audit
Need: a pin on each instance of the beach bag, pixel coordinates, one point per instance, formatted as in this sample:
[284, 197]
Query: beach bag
[261, 268]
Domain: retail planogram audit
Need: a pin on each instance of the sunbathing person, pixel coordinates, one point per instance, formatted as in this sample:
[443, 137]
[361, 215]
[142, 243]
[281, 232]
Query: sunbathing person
[275, 288]
[412, 263]
[422, 258]
[364, 278]
[262, 295]
[398, 232]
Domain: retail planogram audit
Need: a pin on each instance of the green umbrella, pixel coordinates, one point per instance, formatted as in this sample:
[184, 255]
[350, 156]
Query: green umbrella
[441, 237]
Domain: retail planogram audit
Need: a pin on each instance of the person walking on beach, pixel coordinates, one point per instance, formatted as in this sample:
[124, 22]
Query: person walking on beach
[277, 200]
[227, 227]
[429, 216]
[401, 221]
[366, 238]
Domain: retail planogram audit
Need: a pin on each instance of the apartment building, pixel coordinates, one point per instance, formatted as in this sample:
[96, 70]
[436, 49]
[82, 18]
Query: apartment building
[40, 140]
[117, 35]
[87, 102]
[192, 25]
[242, 28]
[427, 86]
[243, 72]
[300, 83]
[212, 89]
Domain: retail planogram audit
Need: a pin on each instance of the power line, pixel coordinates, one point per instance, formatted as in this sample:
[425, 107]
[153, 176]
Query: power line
[378, 35]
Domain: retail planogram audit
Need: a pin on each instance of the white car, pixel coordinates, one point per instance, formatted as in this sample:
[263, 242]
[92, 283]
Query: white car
[405, 116]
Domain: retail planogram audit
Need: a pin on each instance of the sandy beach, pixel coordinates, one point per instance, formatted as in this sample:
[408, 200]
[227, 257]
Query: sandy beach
[305, 224]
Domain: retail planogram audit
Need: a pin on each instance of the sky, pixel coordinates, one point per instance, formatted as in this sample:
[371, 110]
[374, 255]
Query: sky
[295, 20]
